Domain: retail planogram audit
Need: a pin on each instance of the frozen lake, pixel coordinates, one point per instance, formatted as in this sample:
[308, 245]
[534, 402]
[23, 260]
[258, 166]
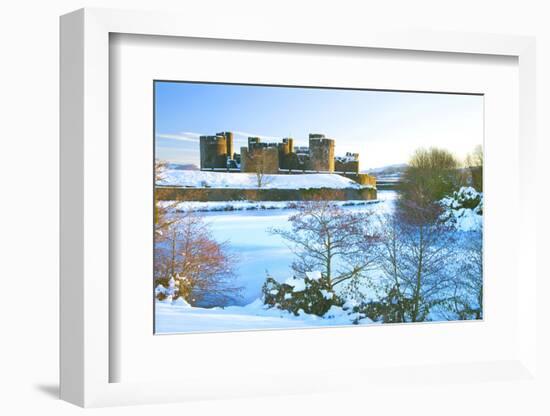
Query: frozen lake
[257, 251]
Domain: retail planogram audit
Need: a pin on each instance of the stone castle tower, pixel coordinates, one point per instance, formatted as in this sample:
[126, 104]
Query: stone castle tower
[321, 153]
[229, 142]
[215, 150]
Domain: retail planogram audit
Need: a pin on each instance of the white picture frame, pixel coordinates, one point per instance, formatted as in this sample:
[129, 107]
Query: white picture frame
[86, 355]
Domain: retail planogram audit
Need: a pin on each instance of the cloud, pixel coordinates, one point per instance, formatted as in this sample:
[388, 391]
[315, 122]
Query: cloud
[185, 136]
[246, 135]
[188, 136]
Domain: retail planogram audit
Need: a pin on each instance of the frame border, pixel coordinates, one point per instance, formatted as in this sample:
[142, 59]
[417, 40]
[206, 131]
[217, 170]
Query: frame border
[84, 184]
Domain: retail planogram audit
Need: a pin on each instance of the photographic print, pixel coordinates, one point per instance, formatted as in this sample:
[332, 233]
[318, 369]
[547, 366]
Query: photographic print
[281, 207]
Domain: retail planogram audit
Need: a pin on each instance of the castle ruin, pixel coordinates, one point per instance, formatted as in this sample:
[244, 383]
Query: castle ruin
[216, 153]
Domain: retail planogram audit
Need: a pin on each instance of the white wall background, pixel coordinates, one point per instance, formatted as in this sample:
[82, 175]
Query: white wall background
[29, 205]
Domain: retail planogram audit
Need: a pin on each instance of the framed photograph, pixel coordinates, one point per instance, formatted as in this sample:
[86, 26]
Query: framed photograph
[259, 231]
[242, 205]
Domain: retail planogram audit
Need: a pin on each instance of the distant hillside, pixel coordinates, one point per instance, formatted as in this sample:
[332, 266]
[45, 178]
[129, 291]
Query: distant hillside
[389, 170]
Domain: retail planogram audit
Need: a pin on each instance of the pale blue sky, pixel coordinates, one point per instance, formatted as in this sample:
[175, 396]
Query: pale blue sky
[384, 127]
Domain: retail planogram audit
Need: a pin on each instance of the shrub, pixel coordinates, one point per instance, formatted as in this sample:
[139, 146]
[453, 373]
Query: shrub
[466, 197]
[394, 307]
[430, 175]
[312, 294]
[175, 286]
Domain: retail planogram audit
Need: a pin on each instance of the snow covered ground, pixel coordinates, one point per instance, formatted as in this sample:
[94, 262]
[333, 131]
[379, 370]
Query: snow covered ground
[177, 316]
[237, 180]
[259, 252]
[250, 205]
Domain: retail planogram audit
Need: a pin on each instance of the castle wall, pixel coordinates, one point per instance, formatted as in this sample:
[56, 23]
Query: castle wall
[350, 166]
[260, 159]
[363, 179]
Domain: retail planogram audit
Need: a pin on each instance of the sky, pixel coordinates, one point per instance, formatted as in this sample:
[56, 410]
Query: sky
[384, 127]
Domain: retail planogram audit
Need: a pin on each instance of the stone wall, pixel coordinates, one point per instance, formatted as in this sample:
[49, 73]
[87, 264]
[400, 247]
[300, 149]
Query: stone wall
[363, 179]
[261, 159]
[349, 166]
[224, 194]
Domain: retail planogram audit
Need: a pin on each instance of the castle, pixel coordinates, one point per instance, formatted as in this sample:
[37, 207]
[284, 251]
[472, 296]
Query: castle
[217, 153]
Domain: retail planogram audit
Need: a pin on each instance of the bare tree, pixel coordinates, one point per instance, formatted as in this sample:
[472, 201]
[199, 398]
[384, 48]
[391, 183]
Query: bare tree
[185, 250]
[474, 164]
[261, 164]
[326, 238]
[427, 253]
[475, 158]
[415, 260]
[467, 301]
[161, 208]
[202, 268]
[391, 263]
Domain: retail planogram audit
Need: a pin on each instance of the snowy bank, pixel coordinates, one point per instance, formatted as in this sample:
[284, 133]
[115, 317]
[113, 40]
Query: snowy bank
[215, 206]
[176, 316]
[464, 209]
[237, 180]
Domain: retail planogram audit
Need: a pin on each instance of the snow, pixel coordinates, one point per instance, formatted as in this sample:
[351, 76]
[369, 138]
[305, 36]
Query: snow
[257, 250]
[260, 252]
[181, 302]
[160, 289]
[334, 312]
[316, 275]
[326, 294]
[466, 220]
[350, 304]
[464, 209]
[298, 285]
[167, 299]
[216, 206]
[349, 157]
[172, 283]
[172, 317]
[238, 180]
